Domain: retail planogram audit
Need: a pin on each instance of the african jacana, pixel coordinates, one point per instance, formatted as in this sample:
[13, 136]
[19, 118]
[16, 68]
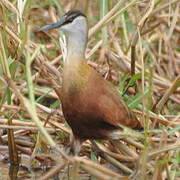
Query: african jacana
[91, 105]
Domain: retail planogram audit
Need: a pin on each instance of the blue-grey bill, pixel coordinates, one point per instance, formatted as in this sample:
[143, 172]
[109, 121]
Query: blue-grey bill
[51, 26]
[48, 27]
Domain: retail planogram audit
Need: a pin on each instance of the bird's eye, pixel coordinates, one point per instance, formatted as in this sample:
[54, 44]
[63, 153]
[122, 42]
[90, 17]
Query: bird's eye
[70, 19]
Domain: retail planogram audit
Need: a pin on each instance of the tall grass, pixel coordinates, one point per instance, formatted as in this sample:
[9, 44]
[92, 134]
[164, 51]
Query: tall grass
[133, 44]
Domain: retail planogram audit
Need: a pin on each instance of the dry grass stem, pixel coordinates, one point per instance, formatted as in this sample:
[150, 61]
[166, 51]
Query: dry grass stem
[134, 45]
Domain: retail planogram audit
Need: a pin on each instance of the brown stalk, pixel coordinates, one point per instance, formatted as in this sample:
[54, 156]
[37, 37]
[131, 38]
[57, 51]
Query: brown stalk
[170, 90]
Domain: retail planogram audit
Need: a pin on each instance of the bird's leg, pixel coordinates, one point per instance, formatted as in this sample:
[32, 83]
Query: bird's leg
[75, 144]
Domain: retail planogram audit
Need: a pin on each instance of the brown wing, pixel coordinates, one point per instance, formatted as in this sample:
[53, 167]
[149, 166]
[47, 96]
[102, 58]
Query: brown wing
[108, 102]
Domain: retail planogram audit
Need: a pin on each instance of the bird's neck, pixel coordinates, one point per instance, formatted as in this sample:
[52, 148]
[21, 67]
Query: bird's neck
[76, 46]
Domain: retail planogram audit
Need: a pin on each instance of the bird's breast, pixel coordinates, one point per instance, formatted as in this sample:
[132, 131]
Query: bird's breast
[75, 78]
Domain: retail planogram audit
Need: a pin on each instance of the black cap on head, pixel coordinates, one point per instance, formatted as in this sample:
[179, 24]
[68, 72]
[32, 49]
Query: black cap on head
[71, 15]
[74, 12]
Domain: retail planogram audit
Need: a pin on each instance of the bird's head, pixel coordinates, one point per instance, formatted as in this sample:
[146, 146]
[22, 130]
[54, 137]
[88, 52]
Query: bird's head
[71, 22]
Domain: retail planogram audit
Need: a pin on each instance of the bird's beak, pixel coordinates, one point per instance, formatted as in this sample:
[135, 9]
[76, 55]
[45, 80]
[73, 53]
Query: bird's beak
[58, 24]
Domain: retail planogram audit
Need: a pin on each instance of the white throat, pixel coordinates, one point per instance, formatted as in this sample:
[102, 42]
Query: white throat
[76, 38]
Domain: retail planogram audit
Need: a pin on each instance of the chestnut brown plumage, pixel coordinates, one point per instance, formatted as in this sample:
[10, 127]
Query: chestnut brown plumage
[91, 105]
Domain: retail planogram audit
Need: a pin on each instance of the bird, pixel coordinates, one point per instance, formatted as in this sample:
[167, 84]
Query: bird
[91, 105]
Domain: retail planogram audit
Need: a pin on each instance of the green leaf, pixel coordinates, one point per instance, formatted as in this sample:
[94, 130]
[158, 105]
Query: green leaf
[130, 26]
[55, 104]
[134, 102]
[136, 77]
[123, 82]
[173, 130]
